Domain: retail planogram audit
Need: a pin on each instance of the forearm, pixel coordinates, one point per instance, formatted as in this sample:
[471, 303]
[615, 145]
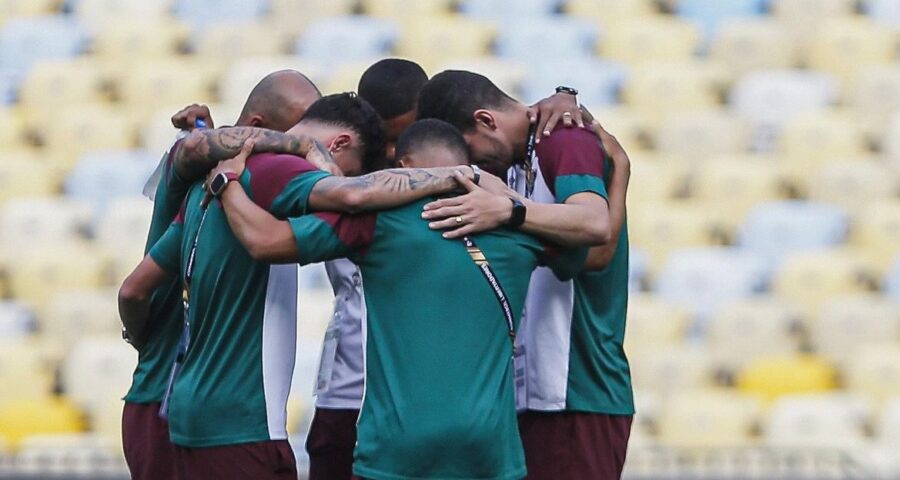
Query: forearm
[384, 189]
[201, 150]
[135, 316]
[565, 224]
[265, 237]
[599, 257]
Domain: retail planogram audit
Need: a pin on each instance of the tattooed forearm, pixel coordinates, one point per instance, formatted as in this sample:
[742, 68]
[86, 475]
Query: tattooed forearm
[201, 150]
[384, 189]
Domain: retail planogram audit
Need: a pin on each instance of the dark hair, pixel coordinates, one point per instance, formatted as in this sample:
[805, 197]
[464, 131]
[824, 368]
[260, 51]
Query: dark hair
[392, 86]
[349, 111]
[454, 95]
[432, 133]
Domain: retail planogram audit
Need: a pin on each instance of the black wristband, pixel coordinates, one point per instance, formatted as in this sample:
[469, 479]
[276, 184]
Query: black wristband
[569, 90]
[476, 174]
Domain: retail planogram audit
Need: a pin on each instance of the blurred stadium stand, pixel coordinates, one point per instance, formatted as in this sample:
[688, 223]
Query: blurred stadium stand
[764, 325]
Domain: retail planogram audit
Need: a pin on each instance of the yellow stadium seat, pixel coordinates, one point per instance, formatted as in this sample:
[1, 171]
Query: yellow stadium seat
[292, 16]
[699, 134]
[890, 142]
[709, 418]
[650, 39]
[236, 83]
[122, 233]
[773, 377]
[877, 230]
[96, 370]
[52, 83]
[818, 421]
[660, 228]
[654, 322]
[25, 373]
[875, 370]
[751, 328]
[407, 8]
[39, 273]
[21, 178]
[235, 40]
[444, 39]
[812, 138]
[78, 130]
[22, 418]
[106, 423]
[889, 425]
[71, 314]
[875, 97]
[854, 185]
[608, 12]
[167, 82]
[17, 8]
[812, 278]
[656, 180]
[630, 126]
[661, 88]
[843, 46]
[12, 131]
[103, 12]
[134, 38]
[31, 222]
[506, 74]
[738, 182]
[850, 323]
[803, 18]
[671, 368]
[747, 45]
[345, 77]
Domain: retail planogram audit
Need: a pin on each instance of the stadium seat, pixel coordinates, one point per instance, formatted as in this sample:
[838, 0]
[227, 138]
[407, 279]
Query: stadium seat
[96, 370]
[671, 368]
[776, 229]
[849, 324]
[656, 182]
[78, 130]
[102, 13]
[102, 176]
[697, 135]
[875, 369]
[811, 278]
[236, 83]
[16, 321]
[709, 418]
[746, 329]
[445, 39]
[350, 38]
[804, 17]
[653, 322]
[510, 76]
[83, 455]
[769, 99]
[202, 13]
[857, 186]
[345, 77]
[610, 12]
[22, 418]
[835, 420]
[122, 231]
[738, 183]
[711, 14]
[661, 88]
[890, 143]
[526, 38]
[23, 8]
[892, 281]
[73, 314]
[809, 139]
[771, 377]
[42, 221]
[19, 177]
[239, 39]
[12, 129]
[25, 373]
[843, 46]
[598, 82]
[293, 16]
[500, 9]
[875, 97]
[38, 273]
[9, 83]
[889, 425]
[126, 40]
[886, 12]
[753, 44]
[166, 82]
[53, 83]
[693, 278]
[26, 40]
[406, 8]
[630, 126]
[650, 39]
[660, 228]
[877, 230]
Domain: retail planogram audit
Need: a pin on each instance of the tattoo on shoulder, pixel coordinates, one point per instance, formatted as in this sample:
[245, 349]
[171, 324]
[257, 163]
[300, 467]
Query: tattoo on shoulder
[395, 180]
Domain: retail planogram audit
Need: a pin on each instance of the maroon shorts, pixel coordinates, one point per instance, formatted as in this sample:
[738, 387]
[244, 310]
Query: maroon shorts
[574, 445]
[330, 444]
[145, 438]
[268, 460]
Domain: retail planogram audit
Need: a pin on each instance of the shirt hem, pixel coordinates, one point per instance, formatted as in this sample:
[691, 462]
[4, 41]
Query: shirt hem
[189, 442]
[379, 475]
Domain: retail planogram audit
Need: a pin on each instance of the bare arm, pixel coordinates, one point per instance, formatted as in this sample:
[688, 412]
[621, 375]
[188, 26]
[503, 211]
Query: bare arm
[582, 220]
[202, 149]
[266, 238]
[134, 299]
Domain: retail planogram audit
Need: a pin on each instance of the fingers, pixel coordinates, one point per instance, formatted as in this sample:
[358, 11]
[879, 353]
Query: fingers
[586, 115]
[463, 180]
[460, 232]
[247, 148]
[548, 127]
[579, 118]
[432, 207]
[446, 214]
[532, 115]
[445, 224]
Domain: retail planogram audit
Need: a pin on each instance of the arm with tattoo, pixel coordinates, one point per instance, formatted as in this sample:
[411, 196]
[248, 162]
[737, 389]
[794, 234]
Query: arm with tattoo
[201, 150]
[384, 189]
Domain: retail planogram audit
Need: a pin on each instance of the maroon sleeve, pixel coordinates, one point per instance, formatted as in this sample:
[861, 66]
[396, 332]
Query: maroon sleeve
[281, 183]
[570, 151]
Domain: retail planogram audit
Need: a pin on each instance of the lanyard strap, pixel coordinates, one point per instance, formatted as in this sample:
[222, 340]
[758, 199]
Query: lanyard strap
[528, 164]
[486, 270]
[189, 271]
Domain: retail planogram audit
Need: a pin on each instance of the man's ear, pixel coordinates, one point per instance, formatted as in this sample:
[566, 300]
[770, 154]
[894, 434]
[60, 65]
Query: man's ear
[256, 120]
[484, 118]
[341, 142]
[401, 163]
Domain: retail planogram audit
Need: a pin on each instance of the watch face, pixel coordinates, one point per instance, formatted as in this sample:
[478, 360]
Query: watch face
[218, 184]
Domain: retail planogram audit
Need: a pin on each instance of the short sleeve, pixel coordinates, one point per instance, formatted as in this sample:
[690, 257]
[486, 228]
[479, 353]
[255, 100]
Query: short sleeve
[167, 251]
[329, 235]
[281, 184]
[565, 263]
[174, 183]
[572, 160]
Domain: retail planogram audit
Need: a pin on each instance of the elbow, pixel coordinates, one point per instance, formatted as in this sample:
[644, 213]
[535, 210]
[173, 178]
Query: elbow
[355, 201]
[263, 248]
[130, 293]
[598, 233]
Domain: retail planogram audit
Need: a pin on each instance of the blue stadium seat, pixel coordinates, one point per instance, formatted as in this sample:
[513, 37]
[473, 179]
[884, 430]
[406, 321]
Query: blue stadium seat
[710, 13]
[200, 13]
[350, 38]
[530, 39]
[892, 281]
[883, 11]
[99, 177]
[494, 9]
[24, 41]
[598, 82]
[8, 83]
[693, 278]
[16, 321]
[638, 269]
[775, 229]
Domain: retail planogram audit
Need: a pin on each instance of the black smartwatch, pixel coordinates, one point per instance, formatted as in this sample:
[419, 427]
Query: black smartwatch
[220, 181]
[564, 89]
[518, 214]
